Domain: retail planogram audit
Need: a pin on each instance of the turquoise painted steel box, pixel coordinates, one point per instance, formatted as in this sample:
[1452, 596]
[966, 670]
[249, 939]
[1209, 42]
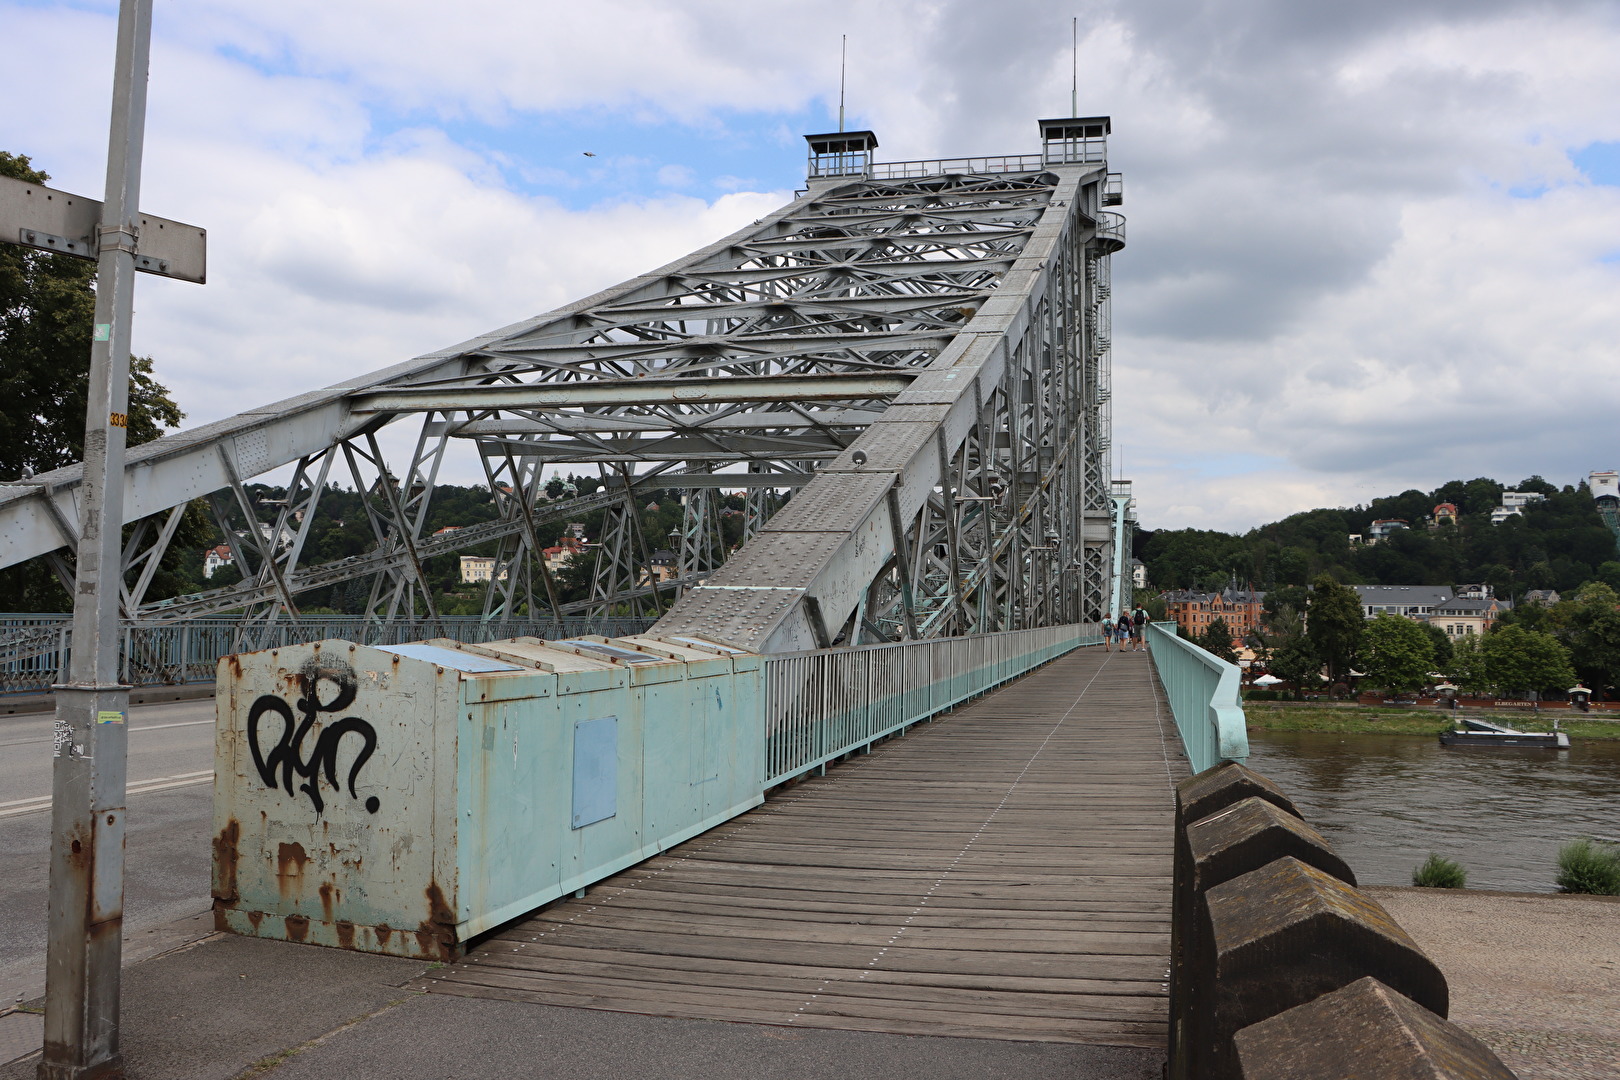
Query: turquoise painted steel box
[403, 800]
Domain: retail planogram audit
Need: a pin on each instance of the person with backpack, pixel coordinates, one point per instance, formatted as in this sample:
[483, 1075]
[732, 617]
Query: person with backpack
[1139, 621]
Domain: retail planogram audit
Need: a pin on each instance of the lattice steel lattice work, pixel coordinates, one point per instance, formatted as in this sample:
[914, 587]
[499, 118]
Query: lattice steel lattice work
[916, 352]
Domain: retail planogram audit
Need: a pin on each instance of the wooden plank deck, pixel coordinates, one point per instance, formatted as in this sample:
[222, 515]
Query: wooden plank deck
[1002, 872]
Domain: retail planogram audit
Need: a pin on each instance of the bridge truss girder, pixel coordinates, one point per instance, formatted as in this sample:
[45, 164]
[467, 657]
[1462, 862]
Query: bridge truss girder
[979, 500]
[921, 364]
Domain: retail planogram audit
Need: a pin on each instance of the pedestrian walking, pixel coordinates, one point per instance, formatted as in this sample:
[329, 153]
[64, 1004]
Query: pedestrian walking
[1122, 629]
[1139, 621]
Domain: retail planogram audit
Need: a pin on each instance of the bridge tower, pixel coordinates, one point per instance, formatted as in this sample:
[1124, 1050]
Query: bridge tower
[905, 370]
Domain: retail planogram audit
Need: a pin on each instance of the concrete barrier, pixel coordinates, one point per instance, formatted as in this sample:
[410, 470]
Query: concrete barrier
[1268, 924]
[1197, 797]
[1363, 1030]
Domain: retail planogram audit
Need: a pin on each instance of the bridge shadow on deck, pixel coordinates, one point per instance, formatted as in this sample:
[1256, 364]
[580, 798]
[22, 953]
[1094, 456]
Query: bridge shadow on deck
[1000, 873]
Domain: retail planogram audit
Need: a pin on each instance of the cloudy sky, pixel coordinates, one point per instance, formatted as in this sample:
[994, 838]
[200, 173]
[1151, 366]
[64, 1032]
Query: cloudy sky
[1373, 246]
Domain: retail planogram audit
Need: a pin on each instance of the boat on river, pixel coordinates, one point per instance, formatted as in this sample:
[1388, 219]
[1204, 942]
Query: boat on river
[1484, 733]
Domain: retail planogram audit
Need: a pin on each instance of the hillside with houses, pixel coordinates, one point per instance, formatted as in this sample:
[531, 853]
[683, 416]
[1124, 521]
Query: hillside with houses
[1472, 586]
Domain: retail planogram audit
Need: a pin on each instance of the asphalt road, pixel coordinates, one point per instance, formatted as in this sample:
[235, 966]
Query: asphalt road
[171, 759]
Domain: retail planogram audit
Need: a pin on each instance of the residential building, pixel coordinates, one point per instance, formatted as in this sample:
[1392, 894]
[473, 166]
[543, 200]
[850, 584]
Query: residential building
[1459, 616]
[1413, 601]
[1138, 573]
[566, 549]
[664, 564]
[283, 536]
[478, 568]
[1193, 611]
[1513, 504]
[1381, 529]
[1467, 609]
[1444, 514]
[1544, 597]
[216, 557]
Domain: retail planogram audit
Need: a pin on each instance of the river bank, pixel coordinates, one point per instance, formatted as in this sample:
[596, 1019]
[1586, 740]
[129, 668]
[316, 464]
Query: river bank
[1535, 977]
[1387, 800]
[1384, 720]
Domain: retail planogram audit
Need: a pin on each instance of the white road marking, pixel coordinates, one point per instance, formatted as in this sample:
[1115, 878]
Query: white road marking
[179, 723]
[140, 787]
[147, 727]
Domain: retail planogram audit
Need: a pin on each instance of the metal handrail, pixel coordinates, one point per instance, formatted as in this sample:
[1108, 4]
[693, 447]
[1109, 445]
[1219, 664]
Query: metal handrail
[1111, 226]
[823, 704]
[1203, 692]
[998, 163]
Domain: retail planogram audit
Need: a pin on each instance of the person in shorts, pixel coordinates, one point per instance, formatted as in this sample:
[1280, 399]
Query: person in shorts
[1139, 621]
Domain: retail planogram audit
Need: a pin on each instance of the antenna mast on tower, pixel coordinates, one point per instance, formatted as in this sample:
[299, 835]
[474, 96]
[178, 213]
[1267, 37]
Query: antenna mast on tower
[843, 55]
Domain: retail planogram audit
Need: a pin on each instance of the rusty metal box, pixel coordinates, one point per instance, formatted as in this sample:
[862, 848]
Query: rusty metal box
[404, 799]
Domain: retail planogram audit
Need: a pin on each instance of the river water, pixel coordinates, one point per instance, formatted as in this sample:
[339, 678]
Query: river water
[1386, 801]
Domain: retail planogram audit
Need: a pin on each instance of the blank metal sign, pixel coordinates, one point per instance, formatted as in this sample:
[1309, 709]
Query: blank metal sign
[596, 770]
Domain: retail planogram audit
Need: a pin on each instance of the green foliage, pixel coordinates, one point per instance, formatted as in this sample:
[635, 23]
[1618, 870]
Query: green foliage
[1518, 660]
[1559, 543]
[1189, 558]
[1217, 639]
[1441, 642]
[1334, 624]
[1439, 873]
[1297, 662]
[1468, 665]
[1590, 624]
[47, 306]
[1587, 866]
[1396, 652]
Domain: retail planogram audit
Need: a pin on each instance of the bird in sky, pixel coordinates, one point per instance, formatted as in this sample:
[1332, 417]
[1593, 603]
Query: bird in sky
[589, 154]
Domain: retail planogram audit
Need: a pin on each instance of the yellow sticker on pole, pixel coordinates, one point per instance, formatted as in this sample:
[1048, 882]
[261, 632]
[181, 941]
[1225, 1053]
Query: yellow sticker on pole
[109, 716]
[118, 419]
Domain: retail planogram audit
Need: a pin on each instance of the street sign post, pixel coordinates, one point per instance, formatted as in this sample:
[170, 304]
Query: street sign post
[82, 973]
[36, 216]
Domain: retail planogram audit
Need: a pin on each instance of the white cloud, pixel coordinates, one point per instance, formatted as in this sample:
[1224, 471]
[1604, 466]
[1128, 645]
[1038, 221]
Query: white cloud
[1329, 281]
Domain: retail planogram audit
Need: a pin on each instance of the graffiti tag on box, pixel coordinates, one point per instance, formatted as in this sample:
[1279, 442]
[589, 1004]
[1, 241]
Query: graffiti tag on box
[284, 765]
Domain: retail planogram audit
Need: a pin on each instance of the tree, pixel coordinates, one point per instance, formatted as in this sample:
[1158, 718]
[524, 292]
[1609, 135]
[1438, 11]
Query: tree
[1292, 566]
[47, 306]
[1396, 652]
[1518, 660]
[1217, 639]
[1468, 665]
[1593, 634]
[1296, 663]
[1441, 642]
[1334, 624]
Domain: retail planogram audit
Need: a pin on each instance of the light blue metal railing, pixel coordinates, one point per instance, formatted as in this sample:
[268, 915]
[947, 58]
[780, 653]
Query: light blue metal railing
[823, 704]
[1204, 697]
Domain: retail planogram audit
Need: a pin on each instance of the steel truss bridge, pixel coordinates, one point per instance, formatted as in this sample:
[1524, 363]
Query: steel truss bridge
[916, 352]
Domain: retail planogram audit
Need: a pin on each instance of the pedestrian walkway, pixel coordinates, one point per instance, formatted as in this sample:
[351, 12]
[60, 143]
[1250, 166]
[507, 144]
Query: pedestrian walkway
[1000, 873]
